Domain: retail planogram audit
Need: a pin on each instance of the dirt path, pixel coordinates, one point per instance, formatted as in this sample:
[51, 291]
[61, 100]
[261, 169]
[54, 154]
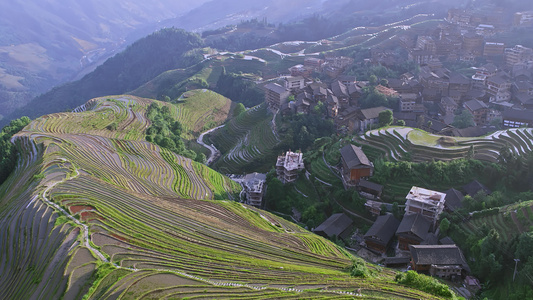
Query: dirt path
[214, 151]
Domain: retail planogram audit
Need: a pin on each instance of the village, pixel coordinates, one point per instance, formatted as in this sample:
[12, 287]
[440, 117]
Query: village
[496, 93]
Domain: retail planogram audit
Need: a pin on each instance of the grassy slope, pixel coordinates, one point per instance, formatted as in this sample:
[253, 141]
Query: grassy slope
[144, 212]
[422, 146]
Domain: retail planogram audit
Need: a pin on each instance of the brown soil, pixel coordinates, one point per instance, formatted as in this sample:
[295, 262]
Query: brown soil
[74, 209]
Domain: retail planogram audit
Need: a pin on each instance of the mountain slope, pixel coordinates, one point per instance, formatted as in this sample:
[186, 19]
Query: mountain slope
[99, 212]
[140, 62]
[44, 43]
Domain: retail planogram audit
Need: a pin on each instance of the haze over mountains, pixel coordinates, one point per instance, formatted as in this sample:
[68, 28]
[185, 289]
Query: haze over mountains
[45, 43]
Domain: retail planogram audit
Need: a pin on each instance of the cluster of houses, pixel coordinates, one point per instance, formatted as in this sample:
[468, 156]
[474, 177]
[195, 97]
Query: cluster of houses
[340, 98]
[417, 232]
[415, 236]
[499, 93]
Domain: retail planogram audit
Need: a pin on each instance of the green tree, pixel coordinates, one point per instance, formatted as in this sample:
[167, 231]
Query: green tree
[444, 226]
[385, 118]
[401, 122]
[463, 120]
[290, 98]
[373, 80]
[8, 151]
[524, 247]
[239, 108]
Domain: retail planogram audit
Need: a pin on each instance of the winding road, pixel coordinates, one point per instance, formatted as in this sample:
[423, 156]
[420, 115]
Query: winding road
[212, 148]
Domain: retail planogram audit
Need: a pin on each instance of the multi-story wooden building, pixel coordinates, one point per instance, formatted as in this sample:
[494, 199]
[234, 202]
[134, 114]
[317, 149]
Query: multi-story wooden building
[355, 165]
[445, 261]
[378, 237]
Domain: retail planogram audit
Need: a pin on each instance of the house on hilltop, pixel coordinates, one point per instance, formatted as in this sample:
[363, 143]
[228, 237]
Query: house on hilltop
[368, 117]
[515, 118]
[354, 165]
[479, 110]
[474, 187]
[276, 95]
[454, 200]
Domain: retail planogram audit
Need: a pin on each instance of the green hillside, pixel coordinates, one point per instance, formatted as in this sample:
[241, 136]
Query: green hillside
[397, 142]
[246, 141]
[94, 213]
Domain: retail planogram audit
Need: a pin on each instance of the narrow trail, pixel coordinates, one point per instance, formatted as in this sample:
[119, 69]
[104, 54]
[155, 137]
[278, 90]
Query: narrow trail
[214, 151]
[84, 227]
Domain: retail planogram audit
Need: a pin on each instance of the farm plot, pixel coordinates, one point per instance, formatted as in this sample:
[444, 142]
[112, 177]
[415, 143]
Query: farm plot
[35, 241]
[422, 146]
[510, 221]
[244, 139]
[200, 110]
[122, 117]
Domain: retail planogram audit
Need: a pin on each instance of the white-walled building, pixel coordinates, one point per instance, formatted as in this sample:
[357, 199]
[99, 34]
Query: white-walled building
[426, 202]
[288, 166]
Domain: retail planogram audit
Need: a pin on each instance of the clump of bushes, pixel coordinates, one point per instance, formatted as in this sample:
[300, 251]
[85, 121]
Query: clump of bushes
[425, 283]
[359, 269]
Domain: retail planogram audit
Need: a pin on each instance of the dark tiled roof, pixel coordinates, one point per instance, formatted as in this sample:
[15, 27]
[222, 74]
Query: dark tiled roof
[383, 229]
[447, 241]
[475, 104]
[454, 199]
[353, 156]
[437, 125]
[354, 88]
[372, 113]
[437, 255]
[416, 224]
[276, 88]
[399, 115]
[490, 67]
[332, 99]
[473, 131]
[448, 101]
[396, 260]
[339, 89]
[458, 78]
[334, 225]
[474, 187]
[516, 114]
[371, 185]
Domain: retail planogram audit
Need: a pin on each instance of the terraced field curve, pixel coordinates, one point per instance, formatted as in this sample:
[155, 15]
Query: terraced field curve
[396, 142]
[101, 213]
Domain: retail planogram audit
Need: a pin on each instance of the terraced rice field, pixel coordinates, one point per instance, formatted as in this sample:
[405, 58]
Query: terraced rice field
[422, 146]
[244, 139]
[201, 110]
[510, 221]
[89, 214]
